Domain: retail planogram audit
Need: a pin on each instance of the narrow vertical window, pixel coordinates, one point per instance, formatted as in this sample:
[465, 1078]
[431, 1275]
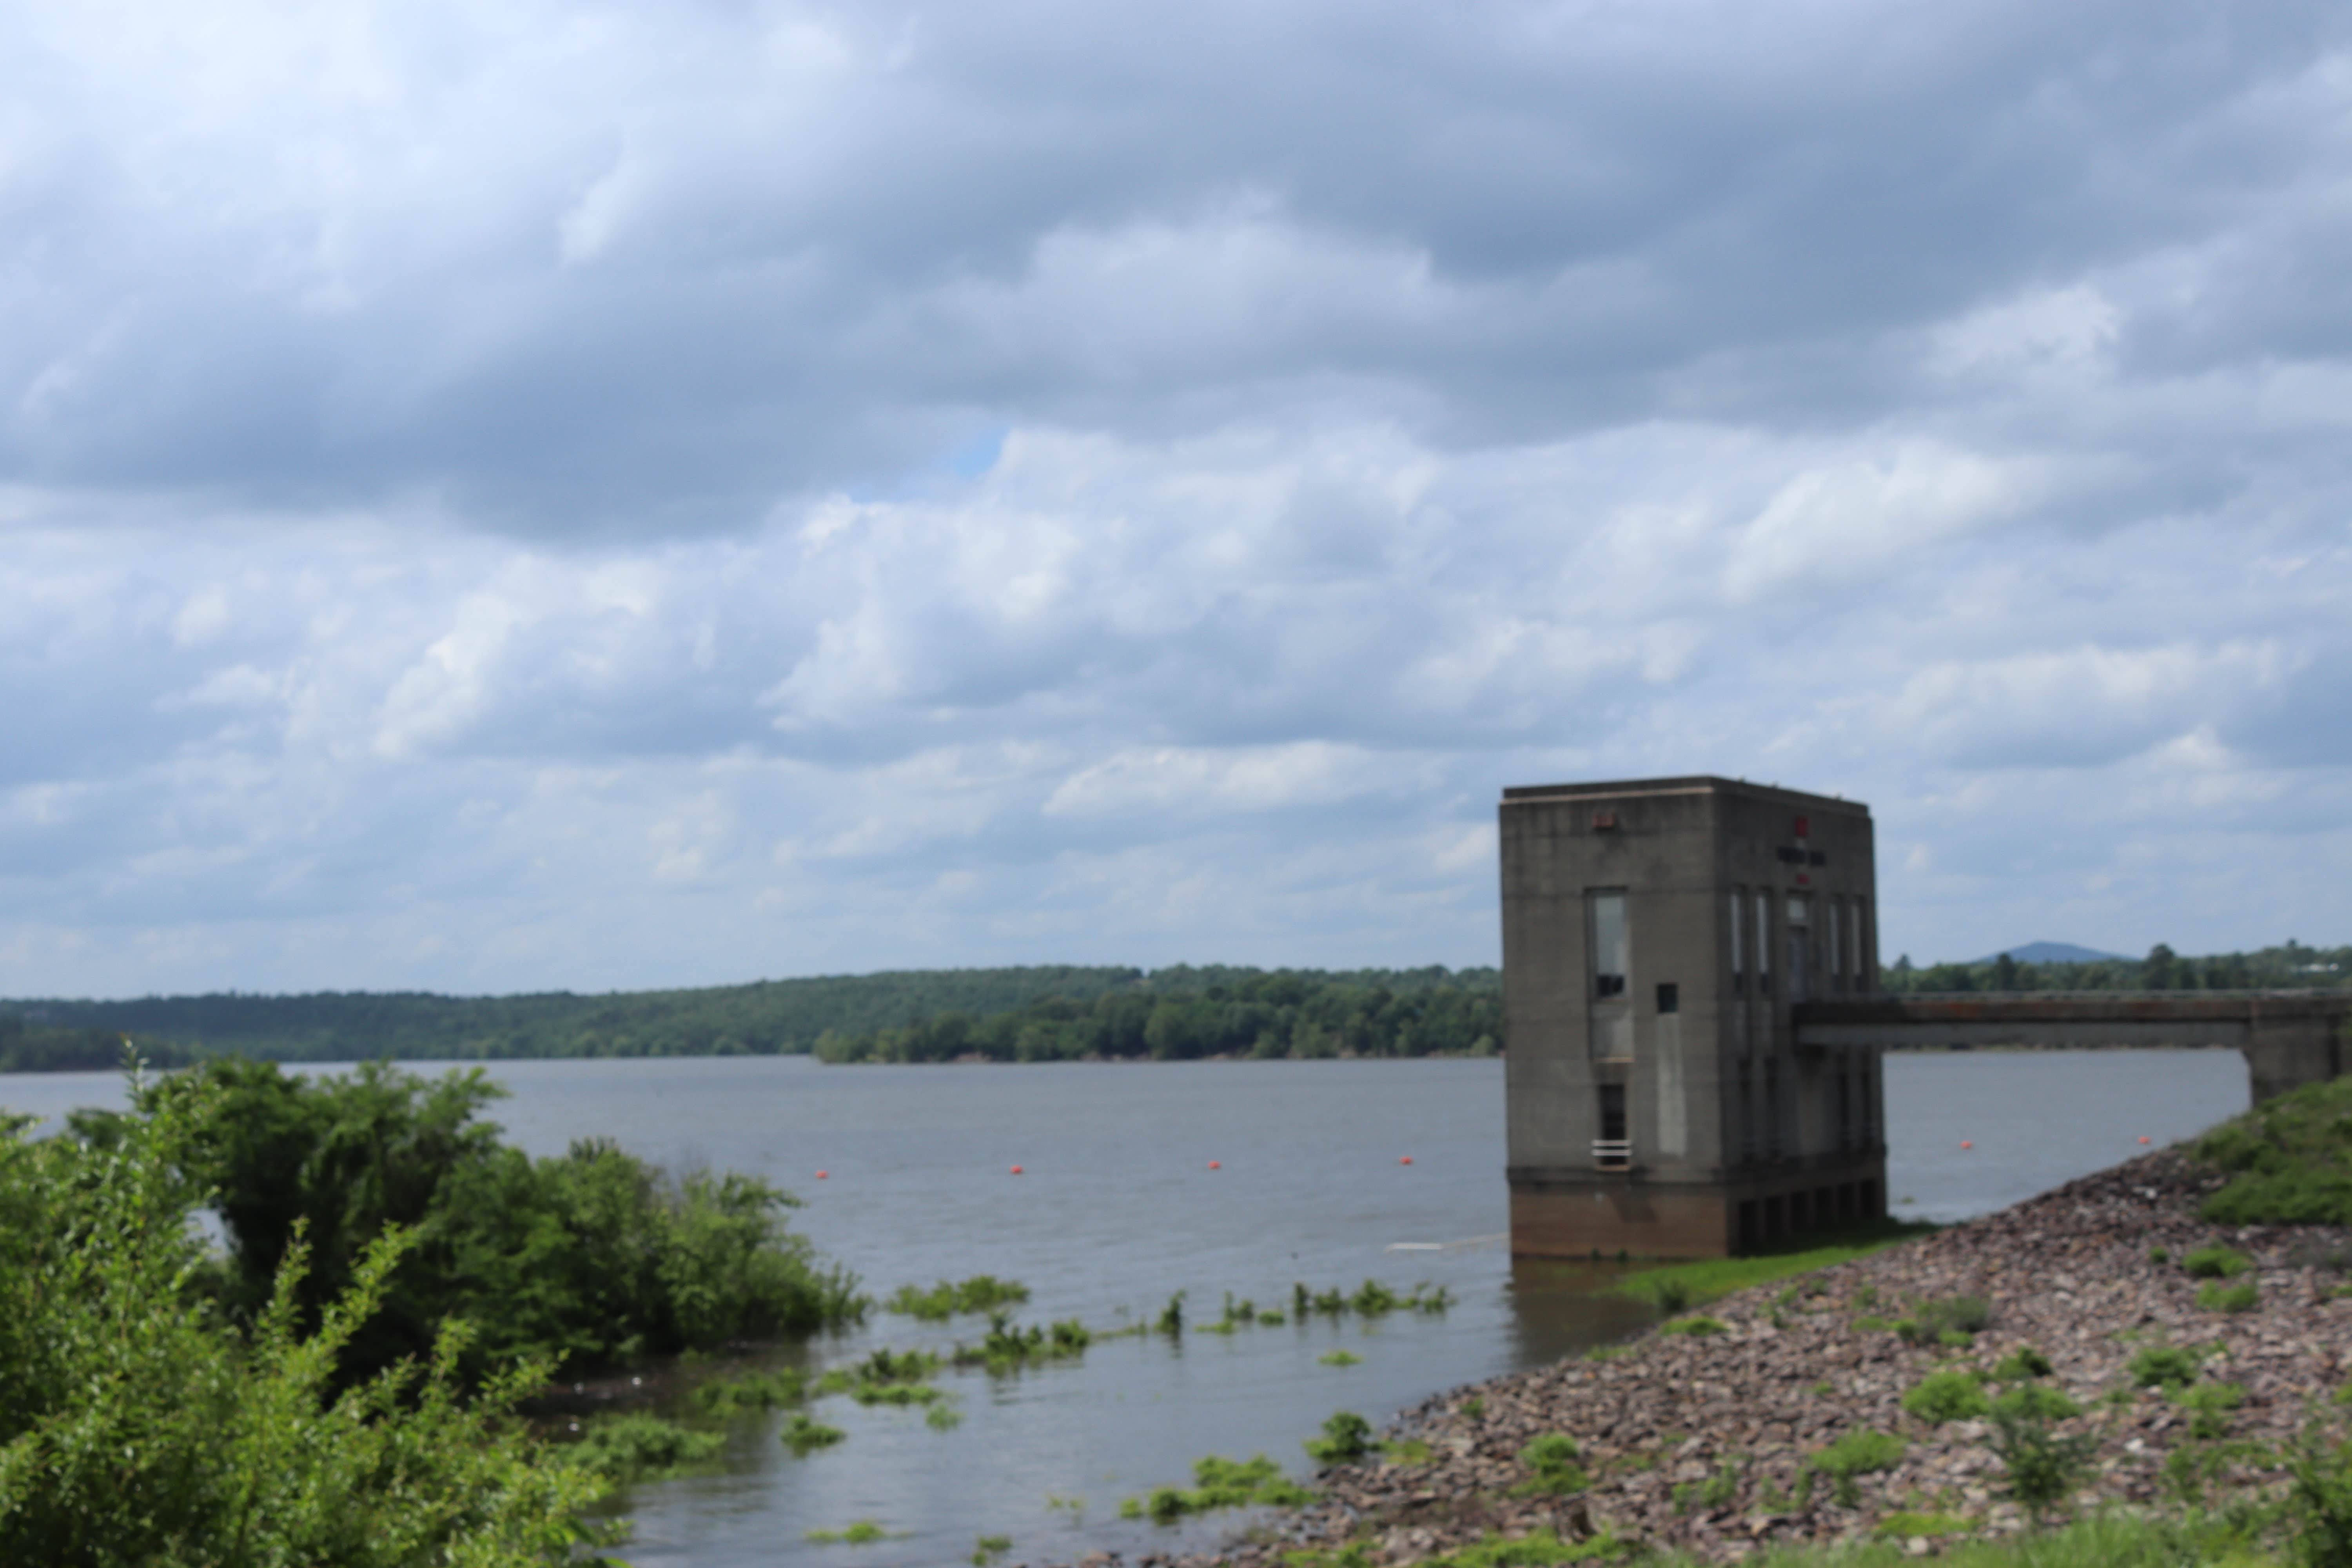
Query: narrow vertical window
[1609, 944]
[1763, 942]
[1837, 945]
[1853, 944]
[1738, 961]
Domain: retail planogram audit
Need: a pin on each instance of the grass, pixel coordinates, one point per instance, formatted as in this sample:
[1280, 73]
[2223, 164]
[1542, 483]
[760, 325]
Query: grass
[1538, 1549]
[1697, 1327]
[1340, 1358]
[1674, 1287]
[863, 1533]
[1855, 1454]
[2287, 1159]
[981, 1293]
[989, 1548]
[1221, 1483]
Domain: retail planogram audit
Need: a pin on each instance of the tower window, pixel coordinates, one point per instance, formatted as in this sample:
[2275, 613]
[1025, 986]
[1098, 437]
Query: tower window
[1609, 944]
[1670, 997]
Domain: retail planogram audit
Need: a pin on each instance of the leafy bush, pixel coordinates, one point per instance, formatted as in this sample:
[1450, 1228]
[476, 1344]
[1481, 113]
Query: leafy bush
[1347, 1436]
[2035, 1402]
[1955, 1394]
[2020, 1365]
[2242, 1297]
[2042, 1466]
[1855, 1454]
[2209, 1405]
[1952, 1321]
[590, 1257]
[134, 1428]
[2217, 1263]
[2164, 1366]
[2320, 1500]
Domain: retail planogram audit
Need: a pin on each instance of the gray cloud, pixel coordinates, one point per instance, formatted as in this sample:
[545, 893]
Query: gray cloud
[614, 498]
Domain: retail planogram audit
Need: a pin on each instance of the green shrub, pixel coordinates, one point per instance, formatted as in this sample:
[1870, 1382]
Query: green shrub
[2241, 1296]
[2217, 1263]
[134, 1429]
[2020, 1365]
[2035, 1402]
[1855, 1454]
[2320, 1500]
[590, 1257]
[2164, 1366]
[2042, 1466]
[1347, 1437]
[2209, 1405]
[1955, 1394]
[1552, 1469]
[1952, 1321]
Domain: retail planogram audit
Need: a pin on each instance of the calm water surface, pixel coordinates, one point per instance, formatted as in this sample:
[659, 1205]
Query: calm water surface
[1117, 1209]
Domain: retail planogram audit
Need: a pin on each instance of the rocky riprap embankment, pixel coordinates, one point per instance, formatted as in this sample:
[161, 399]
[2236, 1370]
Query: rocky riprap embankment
[2069, 1273]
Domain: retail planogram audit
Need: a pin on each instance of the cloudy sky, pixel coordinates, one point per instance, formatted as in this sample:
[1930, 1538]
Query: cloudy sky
[502, 497]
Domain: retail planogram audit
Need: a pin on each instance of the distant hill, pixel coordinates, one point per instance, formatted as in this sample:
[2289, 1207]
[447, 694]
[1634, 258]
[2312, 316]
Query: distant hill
[766, 1017]
[2053, 952]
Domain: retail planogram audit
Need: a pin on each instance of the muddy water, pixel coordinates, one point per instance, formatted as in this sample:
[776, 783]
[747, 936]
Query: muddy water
[1116, 1208]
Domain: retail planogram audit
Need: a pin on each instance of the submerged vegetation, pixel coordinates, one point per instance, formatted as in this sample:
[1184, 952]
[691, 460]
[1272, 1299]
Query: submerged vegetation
[1220, 1483]
[981, 1293]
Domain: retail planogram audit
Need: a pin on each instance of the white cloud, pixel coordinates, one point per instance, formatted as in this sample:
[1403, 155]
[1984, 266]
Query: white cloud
[566, 496]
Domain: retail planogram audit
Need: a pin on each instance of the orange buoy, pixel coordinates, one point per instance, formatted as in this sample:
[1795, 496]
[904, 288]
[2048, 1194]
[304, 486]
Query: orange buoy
[1216, 1165]
[2143, 1139]
[1017, 1170]
[821, 1175]
[1966, 1144]
[1405, 1159]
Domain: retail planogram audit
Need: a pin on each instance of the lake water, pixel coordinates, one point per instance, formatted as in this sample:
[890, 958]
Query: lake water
[1116, 1208]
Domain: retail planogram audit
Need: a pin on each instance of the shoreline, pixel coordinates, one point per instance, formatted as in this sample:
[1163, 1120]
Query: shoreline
[1726, 1418]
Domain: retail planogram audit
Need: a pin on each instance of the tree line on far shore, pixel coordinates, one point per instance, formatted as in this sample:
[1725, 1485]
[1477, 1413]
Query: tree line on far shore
[1239, 1013]
[2289, 966]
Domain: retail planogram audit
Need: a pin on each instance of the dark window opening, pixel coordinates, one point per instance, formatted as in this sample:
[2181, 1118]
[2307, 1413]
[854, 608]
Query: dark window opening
[1670, 997]
[1613, 1112]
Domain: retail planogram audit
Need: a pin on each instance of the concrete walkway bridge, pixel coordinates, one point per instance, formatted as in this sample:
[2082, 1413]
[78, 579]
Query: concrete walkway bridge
[2289, 1038]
